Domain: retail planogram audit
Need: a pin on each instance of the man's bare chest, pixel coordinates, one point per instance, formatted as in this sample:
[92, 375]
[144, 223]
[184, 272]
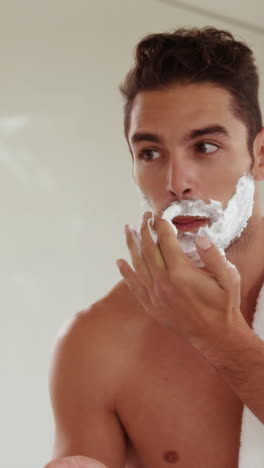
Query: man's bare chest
[176, 410]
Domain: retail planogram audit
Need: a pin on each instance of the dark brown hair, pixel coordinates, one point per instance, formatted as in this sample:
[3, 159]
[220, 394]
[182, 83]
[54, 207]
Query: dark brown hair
[195, 55]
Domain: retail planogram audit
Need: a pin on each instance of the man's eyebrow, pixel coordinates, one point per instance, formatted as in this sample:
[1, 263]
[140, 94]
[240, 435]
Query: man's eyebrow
[192, 135]
[143, 136]
[209, 130]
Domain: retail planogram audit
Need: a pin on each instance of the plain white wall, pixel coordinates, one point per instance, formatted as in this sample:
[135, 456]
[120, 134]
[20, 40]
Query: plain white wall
[65, 184]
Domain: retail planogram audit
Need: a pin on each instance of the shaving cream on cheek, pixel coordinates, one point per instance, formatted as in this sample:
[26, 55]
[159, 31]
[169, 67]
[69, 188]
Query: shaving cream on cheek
[226, 224]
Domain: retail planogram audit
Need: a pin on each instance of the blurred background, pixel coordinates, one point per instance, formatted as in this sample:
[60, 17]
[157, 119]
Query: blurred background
[65, 180]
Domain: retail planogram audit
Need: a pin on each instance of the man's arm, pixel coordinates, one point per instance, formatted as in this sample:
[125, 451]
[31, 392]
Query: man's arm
[75, 462]
[83, 382]
[238, 356]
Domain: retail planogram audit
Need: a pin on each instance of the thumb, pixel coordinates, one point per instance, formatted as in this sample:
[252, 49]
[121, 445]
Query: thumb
[77, 461]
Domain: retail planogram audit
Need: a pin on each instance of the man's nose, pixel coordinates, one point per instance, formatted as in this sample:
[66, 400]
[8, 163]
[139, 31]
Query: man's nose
[180, 179]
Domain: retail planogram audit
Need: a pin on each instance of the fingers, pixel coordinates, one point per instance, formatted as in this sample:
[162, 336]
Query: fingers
[135, 286]
[226, 274]
[172, 252]
[140, 266]
[145, 253]
[146, 260]
[150, 249]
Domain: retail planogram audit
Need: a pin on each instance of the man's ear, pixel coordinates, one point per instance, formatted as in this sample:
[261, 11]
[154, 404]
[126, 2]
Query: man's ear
[258, 152]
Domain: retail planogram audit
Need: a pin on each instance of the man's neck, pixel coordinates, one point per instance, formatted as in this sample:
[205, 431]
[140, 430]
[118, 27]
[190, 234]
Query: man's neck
[248, 257]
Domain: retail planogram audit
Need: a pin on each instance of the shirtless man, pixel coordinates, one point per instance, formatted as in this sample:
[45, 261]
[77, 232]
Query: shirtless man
[157, 372]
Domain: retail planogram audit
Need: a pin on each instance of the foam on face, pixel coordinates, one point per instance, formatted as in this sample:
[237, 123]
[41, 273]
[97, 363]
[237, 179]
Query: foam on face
[226, 224]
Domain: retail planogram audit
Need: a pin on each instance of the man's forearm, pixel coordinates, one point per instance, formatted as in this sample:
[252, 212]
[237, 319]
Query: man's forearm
[239, 358]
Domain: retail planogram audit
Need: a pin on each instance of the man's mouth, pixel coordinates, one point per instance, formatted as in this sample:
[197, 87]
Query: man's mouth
[189, 223]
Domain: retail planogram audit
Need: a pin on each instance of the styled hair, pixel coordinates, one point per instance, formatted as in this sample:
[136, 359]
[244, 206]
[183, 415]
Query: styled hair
[188, 56]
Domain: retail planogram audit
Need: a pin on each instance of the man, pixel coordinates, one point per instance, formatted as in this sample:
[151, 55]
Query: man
[158, 371]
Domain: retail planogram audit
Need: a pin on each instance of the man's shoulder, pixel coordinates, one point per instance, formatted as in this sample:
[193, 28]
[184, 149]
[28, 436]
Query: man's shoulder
[117, 309]
[96, 346]
[107, 328]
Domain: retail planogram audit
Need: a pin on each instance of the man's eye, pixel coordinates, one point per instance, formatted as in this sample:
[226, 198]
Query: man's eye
[206, 148]
[148, 154]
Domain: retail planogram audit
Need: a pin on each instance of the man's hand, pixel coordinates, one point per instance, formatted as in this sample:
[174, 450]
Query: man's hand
[201, 305]
[75, 462]
[198, 304]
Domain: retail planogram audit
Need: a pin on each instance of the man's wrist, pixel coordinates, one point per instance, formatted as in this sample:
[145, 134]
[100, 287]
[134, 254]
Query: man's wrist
[221, 347]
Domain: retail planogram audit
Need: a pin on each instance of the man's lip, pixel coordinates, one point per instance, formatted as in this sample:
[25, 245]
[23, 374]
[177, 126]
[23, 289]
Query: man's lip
[187, 219]
[189, 223]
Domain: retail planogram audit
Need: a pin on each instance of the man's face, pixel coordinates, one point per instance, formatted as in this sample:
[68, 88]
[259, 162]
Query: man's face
[187, 144]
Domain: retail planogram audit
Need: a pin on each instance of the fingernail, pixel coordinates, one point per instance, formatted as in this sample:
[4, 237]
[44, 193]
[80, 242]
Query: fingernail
[203, 243]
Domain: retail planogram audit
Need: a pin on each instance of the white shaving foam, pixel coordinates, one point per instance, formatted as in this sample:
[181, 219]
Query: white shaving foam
[226, 224]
